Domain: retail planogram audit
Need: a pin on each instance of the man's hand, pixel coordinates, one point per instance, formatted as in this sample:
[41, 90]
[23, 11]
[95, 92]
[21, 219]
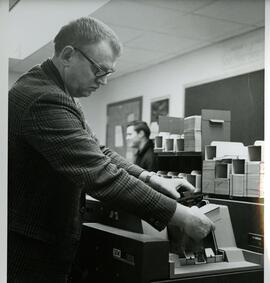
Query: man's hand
[192, 221]
[170, 187]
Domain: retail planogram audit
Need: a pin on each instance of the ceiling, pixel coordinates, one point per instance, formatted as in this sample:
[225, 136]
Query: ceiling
[153, 31]
[12, 4]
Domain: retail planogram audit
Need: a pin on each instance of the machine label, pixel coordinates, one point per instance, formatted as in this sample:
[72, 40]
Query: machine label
[123, 256]
[116, 253]
[255, 240]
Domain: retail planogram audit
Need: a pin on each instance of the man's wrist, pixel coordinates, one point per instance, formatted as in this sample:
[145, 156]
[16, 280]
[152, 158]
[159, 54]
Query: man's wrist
[145, 176]
[181, 216]
[148, 177]
[156, 182]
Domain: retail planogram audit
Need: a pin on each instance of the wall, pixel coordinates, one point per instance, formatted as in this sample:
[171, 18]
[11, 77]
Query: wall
[12, 78]
[3, 137]
[232, 57]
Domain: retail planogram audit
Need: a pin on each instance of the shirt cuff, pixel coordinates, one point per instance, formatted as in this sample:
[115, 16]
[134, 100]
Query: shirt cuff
[163, 212]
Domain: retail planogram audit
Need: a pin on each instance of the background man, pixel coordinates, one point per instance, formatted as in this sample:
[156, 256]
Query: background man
[54, 158]
[137, 137]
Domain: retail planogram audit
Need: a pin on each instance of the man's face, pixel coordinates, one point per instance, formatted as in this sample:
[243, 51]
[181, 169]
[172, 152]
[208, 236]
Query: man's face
[133, 138]
[79, 74]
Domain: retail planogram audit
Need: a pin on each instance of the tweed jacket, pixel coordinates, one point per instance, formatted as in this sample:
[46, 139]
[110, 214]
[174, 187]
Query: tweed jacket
[54, 159]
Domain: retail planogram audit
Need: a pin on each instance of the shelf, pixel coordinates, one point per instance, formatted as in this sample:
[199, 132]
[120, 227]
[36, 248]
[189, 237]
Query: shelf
[180, 153]
[235, 198]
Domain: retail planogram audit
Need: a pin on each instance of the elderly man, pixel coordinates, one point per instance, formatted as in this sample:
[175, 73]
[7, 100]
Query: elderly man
[55, 159]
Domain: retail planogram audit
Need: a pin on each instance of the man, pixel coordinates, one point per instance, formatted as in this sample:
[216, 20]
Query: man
[137, 137]
[54, 159]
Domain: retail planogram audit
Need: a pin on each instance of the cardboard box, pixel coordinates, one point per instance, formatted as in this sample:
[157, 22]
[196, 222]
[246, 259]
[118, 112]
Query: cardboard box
[208, 176]
[195, 180]
[210, 152]
[179, 145]
[253, 167]
[253, 182]
[192, 123]
[253, 193]
[238, 185]
[193, 140]
[173, 125]
[255, 153]
[222, 186]
[238, 166]
[216, 126]
[255, 185]
[221, 149]
[223, 170]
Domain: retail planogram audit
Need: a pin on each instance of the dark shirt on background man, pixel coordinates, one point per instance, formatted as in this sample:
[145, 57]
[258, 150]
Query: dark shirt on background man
[146, 157]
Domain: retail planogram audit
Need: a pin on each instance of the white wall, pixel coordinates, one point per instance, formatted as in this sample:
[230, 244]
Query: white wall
[232, 57]
[3, 137]
[12, 78]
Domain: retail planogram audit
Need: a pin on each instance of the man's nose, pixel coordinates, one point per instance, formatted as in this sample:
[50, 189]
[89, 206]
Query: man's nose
[102, 80]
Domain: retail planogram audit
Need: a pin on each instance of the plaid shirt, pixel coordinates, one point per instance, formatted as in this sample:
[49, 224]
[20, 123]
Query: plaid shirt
[54, 159]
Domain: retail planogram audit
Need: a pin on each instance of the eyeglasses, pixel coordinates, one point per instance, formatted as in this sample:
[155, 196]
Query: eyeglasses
[100, 71]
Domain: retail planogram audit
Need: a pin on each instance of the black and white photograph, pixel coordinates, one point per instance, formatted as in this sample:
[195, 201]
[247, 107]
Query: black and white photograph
[134, 141]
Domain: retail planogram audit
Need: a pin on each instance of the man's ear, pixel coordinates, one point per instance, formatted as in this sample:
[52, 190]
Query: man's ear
[67, 54]
[141, 133]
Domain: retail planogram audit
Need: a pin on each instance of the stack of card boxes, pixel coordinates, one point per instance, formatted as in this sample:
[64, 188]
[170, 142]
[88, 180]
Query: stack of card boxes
[210, 152]
[238, 178]
[192, 133]
[242, 177]
[222, 180]
[208, 176]
[179, 144]
[255, 172]
[195, 180]
[215, 126]
[208, 171]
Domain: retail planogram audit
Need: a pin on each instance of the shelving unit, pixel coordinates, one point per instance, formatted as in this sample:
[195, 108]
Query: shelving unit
[183, 161]
[179, 153]
[236, 198]
[188, 161]
[246, 212]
